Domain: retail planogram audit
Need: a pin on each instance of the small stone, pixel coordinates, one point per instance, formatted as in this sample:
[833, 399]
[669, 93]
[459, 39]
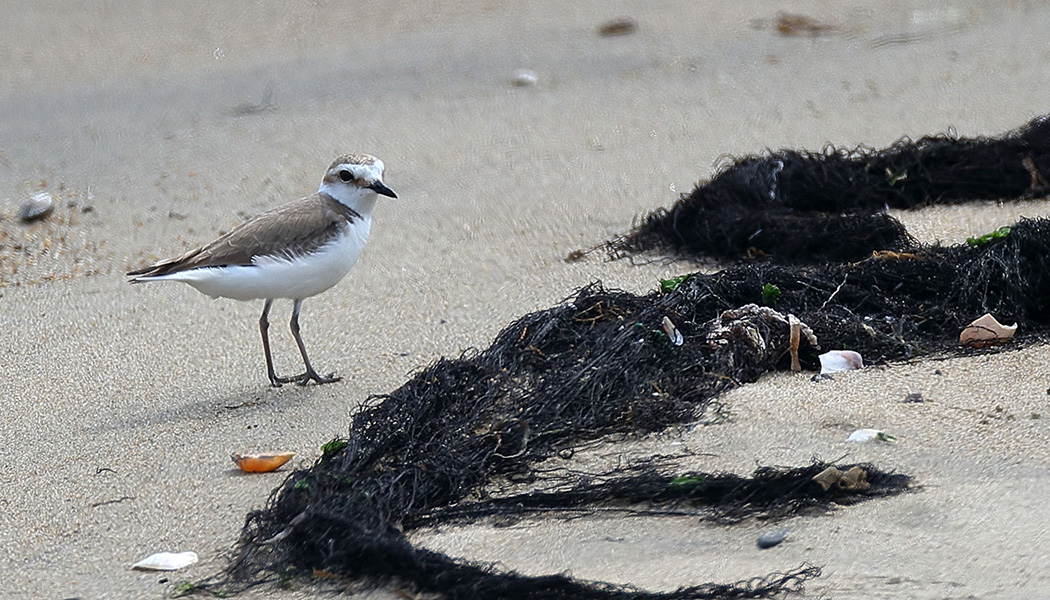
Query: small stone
[36, 207]
[524, 78]
[914, 397]
[772, 538]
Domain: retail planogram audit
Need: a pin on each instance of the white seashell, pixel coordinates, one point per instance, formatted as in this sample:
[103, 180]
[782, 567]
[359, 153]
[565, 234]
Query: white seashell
[166, 561]
[840, 360]
[37, 206]
[524, 78]
[867, 435]
[986, 331]
[672, 332]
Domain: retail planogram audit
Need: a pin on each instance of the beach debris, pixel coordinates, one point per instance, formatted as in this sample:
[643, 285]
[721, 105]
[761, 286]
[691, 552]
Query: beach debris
[36, 207]
[795, 336]
[914, 398]
[789, 24]
[669, 285]
[840, 360]
[261, 463]
[854, 479]
[988, 238]
[986, 331]
[524, 78]
[618, 26]
[868, 435]
[744, 323]
[166, 561]
[827, 478]
[772, 538]
[672, 332]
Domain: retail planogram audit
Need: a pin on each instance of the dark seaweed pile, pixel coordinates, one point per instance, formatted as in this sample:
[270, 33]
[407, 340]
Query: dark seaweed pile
[794, 206]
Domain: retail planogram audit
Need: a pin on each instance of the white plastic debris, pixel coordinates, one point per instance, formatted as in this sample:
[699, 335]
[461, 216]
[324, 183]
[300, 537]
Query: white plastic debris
[868, 435]
[840, 360]
[986, 331]
[166, 561]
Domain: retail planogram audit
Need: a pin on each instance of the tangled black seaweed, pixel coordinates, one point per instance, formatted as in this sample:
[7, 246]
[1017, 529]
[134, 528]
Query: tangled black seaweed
[723, 497]
[794, 206]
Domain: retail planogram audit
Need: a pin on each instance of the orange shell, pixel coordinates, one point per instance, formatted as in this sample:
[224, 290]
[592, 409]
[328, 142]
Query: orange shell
[261, 463]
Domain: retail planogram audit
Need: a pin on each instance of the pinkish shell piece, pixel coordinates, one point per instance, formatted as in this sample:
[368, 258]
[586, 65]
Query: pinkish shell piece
[986, 331]
[840, 360]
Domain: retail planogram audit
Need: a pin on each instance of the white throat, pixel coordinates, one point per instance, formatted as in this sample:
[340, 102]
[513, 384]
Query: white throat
[360, 200]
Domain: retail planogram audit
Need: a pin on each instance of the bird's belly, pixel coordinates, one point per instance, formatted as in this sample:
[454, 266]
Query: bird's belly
[283, 277]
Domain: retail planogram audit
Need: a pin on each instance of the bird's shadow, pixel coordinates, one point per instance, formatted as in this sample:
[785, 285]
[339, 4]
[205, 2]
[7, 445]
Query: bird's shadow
[247, 401]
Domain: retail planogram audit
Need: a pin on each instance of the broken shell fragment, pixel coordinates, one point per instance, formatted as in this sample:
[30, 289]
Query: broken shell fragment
[166, 561]
[986, 331]
[867, 435]
[672, 332]
[261, 463]
[37, 206]
[840, 360]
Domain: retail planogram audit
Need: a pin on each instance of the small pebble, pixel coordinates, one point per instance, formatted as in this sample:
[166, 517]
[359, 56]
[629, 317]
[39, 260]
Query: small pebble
[524, 78]
[37, 206]
[772, 538]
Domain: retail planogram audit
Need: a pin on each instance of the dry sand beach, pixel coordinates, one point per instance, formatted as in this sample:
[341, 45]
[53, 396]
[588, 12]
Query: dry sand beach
[157, 125]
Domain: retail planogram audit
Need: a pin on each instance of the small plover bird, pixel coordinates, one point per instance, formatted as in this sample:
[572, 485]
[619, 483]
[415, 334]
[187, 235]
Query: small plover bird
[294, 251]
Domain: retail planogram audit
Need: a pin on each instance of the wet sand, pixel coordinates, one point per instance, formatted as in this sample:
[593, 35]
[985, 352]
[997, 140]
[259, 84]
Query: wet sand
[157, 126]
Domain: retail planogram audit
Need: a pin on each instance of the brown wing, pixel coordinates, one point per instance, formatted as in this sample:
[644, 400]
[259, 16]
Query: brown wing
[292, 229]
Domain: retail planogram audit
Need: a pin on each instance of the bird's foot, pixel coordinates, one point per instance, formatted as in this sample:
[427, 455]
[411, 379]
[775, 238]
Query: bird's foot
[312, 375]
[305, 379]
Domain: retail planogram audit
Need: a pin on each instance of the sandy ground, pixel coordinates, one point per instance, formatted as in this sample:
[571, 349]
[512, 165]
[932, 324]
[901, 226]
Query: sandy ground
[157, 125]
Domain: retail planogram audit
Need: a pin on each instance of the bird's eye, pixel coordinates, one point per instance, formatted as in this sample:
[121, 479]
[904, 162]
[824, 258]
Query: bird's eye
[346, 175]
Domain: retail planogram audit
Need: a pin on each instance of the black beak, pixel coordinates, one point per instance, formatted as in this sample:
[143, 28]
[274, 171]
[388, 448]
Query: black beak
[379, 188]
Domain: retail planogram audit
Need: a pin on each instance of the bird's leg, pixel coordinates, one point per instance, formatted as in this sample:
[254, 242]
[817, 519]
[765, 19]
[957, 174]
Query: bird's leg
[310, 374]
[264, 327]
